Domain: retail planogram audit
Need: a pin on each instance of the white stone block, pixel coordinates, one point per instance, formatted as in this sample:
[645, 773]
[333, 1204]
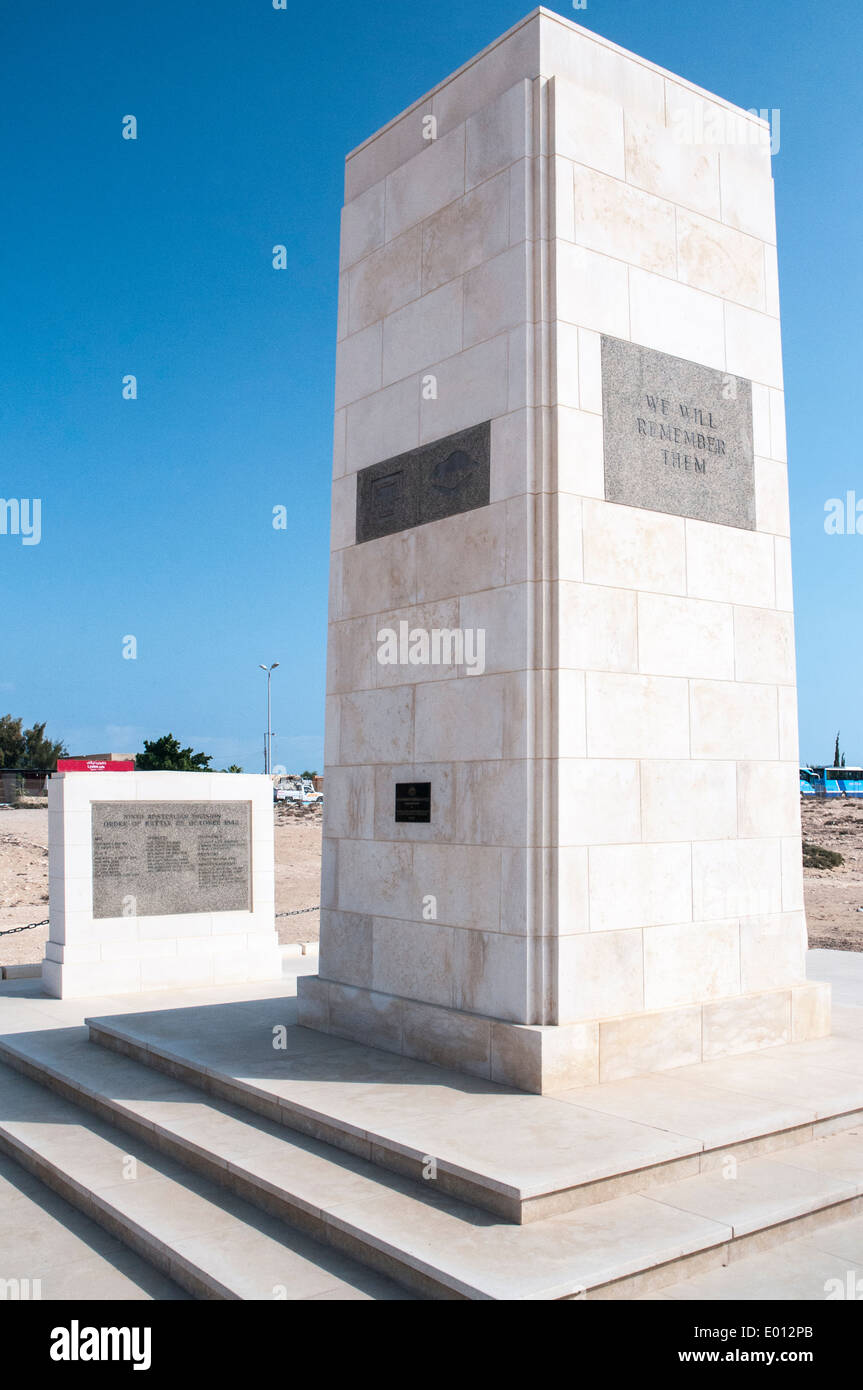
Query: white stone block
[363, 228]
[463, 880]
[377, 576]
[414, 960]
[661, 162]
[343, 512]
[766, 805]
[782, 562]
[592, 290]
[377, 726]
[753, 345]
[773, 951]
[694, 800]
[628, 548]
[685, 637]
[358, 365]
[422, 332]
[376, 876]
[789, 741]
[427, 182]
[598, 801]
[598, 629]
[729, 565]
[502, 614]
[491, 802]
[673, 318]
[490, 975]
[619, 220]
[731, 719]
[385, 280]
[461, 554]
[639, 886]
[692, 962]
[498, 135]
[736, 878]
[764, 646]
[747, 189]
[466, 233]
[511, 437]
[771, 497]
[635, 716]
[495, 297]
[580, 465]
[600, 975]
[383, 424]
[720, 260]
[588, 127]
[471, 386]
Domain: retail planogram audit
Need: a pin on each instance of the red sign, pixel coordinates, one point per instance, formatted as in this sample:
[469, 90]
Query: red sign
[94, 765]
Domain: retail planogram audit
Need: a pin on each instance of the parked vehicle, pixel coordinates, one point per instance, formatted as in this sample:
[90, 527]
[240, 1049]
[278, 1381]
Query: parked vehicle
[297, 789]
[831, 782]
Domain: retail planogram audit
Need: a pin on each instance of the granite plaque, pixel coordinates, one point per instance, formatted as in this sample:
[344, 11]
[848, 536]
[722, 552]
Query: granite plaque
[442, 479]
[677, 437]
[163, 857]
[413, 802]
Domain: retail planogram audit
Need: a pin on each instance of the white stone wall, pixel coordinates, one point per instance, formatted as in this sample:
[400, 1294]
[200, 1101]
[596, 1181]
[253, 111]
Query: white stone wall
[122, 955]
[615, 810]
[678, 793]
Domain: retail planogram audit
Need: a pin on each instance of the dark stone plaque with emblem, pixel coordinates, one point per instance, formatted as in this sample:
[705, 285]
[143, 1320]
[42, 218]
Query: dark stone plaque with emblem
[162, 857]
[442, 479]
[413, 802]
[677, 437]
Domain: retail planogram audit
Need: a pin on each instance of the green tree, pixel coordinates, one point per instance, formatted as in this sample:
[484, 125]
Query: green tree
[838, 758]
[20, 747]
[11, 741]
[233, 768]
[165, 755]
[40, 751]
[308, 774]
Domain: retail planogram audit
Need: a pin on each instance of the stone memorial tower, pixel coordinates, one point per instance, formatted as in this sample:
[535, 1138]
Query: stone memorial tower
[562, 832]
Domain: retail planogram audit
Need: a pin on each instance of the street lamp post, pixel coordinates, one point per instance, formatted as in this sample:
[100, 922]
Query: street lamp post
[268, 742]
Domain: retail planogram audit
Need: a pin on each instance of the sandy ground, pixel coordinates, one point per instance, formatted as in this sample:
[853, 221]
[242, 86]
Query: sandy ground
[24, 879]
[833, 896]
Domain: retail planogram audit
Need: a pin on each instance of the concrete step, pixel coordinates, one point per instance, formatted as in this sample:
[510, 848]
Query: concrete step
[827, 1265]
[430, 1242]
[521, 1157]
[51, 1251]
[204, 1239]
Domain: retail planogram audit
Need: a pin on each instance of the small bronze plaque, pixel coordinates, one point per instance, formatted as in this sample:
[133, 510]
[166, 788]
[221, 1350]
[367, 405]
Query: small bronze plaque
[451, 475]
[413, 801]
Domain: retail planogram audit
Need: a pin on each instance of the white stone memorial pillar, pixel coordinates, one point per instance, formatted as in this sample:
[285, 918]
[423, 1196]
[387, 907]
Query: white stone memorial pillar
[562, 833]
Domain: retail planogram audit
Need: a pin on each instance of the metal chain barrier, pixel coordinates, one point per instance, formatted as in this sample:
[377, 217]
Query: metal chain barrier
[29, 927]
[297, 912]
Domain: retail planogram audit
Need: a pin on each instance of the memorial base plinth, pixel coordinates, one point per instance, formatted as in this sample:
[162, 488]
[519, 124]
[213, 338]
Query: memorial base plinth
[556, 1058]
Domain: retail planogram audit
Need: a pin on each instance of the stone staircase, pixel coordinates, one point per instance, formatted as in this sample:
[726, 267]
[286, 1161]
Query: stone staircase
[327, 1169]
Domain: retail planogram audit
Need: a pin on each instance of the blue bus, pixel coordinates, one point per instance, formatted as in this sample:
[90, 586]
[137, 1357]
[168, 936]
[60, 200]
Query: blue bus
[831, 781]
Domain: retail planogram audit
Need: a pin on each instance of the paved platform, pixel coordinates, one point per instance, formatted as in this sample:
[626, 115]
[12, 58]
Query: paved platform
[630, 1189]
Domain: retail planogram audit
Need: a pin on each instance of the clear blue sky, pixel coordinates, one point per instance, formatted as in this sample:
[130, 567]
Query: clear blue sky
[154, 258]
